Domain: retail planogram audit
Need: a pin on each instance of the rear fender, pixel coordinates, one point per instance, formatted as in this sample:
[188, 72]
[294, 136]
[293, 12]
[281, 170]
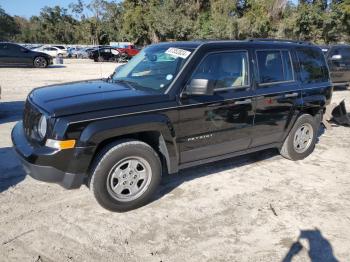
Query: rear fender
[315, 101]
[312, 105]
[293, 116]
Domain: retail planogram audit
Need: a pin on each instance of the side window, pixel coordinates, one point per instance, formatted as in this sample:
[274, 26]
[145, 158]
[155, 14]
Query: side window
[274, 66]
[334, 51]
[225, 69]
[313, 68]
[345, 52]
[13, 48]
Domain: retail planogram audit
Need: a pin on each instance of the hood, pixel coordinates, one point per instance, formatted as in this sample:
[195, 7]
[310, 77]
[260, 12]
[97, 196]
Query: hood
[87, 96]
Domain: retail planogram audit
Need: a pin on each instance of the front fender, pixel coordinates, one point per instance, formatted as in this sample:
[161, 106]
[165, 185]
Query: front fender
[98, 131]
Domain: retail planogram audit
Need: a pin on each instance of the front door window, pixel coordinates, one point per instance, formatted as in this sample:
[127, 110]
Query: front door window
[226, 70]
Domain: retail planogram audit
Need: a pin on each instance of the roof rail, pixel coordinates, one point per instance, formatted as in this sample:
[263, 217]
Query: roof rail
[280, 40]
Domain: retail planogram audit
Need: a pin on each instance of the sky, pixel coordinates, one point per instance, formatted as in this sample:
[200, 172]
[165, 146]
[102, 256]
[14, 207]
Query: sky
[27, 8]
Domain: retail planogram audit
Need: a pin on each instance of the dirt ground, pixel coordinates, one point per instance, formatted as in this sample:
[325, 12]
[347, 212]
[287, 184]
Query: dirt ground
[259, 207]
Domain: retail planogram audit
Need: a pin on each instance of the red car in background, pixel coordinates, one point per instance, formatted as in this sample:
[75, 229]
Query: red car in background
[130, 50]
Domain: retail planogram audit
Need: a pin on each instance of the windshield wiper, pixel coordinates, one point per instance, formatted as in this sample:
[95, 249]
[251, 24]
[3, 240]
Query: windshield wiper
[128, 83]
[133, 85]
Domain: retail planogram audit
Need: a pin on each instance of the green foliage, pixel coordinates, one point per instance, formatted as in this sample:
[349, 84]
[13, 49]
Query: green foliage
[150, 21]
[8, 26]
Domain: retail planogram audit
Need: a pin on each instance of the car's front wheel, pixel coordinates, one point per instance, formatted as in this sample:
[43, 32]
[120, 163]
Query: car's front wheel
[125, 175]
[302, 138]
[40, 62]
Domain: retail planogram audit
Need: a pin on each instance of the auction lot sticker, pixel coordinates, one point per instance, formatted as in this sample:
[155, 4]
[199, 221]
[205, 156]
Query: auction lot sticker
[177, 52]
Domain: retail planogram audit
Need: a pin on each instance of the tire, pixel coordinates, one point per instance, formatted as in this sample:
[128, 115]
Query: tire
[113, 59]
[40, 62]
[301, 140]
[126, 166]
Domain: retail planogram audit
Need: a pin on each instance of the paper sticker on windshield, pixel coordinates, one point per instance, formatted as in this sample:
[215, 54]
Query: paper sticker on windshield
[177, 52]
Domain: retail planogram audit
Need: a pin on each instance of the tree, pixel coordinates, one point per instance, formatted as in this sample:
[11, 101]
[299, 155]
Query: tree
[134, 22]
[149, 21]
[256, 21]
[8, 26]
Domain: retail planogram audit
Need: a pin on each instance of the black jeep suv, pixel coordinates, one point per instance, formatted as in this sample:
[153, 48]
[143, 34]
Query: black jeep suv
[173, 106]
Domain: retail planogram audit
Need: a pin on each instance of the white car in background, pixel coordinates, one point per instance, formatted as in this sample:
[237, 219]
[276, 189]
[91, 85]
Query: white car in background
[52, 51]
[61, 47]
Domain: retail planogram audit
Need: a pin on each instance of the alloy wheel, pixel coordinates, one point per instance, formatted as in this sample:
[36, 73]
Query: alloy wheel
[40, 62]
[129, 179]
[303, 138]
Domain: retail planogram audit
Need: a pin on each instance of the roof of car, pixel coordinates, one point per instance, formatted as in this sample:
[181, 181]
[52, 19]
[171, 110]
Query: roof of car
[249, 42]
[340, 45]
[8, 43]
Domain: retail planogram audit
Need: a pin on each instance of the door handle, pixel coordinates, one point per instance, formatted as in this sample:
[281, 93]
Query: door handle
[243, 102]
[291, 95]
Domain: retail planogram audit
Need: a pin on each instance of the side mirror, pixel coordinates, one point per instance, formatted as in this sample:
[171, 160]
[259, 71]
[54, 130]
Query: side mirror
[200, 87]
[336, 57]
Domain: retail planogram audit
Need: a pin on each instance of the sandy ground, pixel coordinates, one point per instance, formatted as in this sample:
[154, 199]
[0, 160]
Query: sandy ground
[259, 207]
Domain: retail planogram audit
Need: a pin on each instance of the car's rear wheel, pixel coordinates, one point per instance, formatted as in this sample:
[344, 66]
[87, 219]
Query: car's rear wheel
[302, 138]
[40, 62]
[125, 175]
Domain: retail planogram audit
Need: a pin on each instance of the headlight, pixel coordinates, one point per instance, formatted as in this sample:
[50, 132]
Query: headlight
[42, 127]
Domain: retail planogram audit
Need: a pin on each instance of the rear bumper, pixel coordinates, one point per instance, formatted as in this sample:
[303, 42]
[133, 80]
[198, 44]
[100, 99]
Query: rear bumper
[32, 162]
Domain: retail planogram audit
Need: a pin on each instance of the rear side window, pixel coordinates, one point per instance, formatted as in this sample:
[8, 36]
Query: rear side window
[274, 66]
[313, 68]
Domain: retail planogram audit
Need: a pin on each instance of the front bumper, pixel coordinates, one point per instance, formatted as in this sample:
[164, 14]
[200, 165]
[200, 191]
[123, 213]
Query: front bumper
[33, 161]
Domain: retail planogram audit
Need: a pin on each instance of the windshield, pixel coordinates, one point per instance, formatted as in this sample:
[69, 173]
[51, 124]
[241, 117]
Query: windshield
[153, 69]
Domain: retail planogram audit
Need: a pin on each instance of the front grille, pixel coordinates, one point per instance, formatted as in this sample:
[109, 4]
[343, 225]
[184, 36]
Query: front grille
[31, 116]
